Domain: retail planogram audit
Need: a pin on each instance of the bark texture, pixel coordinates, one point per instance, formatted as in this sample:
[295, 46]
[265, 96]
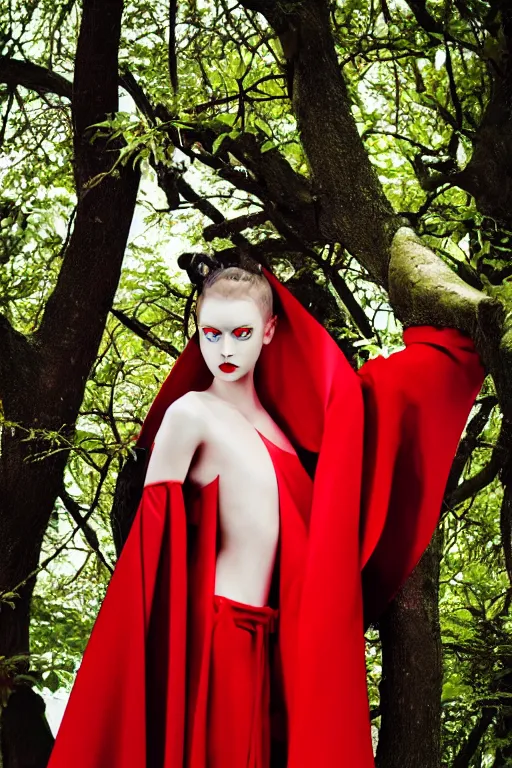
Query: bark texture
[412, 671]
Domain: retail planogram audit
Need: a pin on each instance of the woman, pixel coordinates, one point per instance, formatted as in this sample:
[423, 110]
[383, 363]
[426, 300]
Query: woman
[167, 634]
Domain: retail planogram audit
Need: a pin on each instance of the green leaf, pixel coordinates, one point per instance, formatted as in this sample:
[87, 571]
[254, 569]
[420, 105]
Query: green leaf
[218, 142]
[52, 681]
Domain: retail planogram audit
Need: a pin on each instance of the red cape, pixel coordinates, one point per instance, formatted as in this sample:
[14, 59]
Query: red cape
[385, 440]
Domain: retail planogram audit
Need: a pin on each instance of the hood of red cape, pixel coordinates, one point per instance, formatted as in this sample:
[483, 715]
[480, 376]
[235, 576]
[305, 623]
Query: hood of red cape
[295, 375]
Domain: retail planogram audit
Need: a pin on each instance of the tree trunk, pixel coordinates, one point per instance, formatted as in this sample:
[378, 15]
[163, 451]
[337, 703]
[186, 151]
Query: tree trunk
[410, 732]
[42, 378]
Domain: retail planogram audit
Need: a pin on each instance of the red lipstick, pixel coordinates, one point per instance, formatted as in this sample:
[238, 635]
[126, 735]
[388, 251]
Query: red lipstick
[228, 367]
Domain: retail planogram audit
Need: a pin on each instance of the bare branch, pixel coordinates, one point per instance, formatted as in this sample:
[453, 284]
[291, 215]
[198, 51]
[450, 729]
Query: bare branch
[230, 226]
[453, 88]
[143, 331]
[347, 297]
[469, 442]
[423, 17]
[133, 87]
[466, 752]
[89, 533]
[477, 483]
[173, 63]
[15, 72]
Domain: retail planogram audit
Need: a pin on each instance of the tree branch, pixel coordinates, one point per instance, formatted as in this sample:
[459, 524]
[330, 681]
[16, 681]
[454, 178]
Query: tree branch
[453, 88]
[134, 89]
[89, 533]
[8, 338]
[286, 194]
[477, 483]
[15, 72]
[423, 17]
[433, 27]
[469, 442]
[173, 63]
[465, 754]
[143, 331]
[351, 206]
[356, 312]
[230, 226]
[424, 291]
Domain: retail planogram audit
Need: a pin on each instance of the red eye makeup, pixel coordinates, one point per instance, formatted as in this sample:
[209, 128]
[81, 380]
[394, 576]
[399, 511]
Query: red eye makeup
[243, 332]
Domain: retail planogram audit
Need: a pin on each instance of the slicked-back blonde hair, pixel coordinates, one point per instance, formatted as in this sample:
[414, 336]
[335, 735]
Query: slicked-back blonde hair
[235, 282]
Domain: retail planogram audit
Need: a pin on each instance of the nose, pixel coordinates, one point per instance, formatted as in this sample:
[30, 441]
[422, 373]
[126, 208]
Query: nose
[227, 346]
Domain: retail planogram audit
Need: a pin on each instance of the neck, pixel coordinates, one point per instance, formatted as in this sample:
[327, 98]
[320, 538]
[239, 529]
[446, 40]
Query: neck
[241, 394]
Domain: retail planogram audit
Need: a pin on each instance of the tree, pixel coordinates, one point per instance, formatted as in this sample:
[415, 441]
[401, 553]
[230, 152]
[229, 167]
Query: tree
[338, 129]
[43, 373]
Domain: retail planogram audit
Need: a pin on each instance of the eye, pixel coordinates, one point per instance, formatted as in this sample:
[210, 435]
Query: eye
[243, 333]
[212, 334]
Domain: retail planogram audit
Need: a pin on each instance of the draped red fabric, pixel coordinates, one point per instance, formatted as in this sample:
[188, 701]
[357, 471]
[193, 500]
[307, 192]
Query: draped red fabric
[105, 723]
[239, 702]
[416, 405]
[385, 439]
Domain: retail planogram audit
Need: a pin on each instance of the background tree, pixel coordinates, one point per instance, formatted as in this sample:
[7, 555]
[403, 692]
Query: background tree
[315, 137]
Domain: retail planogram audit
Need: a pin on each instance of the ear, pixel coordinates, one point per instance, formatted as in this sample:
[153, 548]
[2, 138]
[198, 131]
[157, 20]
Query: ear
[270, 328]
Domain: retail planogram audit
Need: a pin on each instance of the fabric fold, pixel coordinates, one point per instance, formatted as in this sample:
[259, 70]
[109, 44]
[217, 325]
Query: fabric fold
[104, 724]
[417, 402]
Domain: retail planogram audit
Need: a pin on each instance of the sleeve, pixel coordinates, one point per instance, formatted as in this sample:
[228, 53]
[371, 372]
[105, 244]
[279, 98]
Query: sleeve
[417, 403]
[129, 693]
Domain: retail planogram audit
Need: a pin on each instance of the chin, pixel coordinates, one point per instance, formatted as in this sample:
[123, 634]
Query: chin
[229, 376]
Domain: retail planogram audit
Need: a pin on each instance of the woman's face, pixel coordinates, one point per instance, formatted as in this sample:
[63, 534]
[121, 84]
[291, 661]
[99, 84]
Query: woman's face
[232, 332]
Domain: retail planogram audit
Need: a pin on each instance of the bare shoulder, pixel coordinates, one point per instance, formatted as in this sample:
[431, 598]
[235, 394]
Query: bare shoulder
[183, 413]
[179, 436]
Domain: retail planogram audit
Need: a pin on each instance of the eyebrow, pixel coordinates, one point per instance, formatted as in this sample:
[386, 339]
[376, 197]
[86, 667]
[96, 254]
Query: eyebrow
[214, 328]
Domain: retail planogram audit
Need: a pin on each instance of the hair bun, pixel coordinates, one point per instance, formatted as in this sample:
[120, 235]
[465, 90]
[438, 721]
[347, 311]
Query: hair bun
[197, 266]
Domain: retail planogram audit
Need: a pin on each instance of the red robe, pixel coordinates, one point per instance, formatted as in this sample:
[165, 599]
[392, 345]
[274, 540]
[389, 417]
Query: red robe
[385, 440]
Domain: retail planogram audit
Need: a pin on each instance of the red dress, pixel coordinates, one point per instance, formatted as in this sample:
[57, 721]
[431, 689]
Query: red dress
[385, 439]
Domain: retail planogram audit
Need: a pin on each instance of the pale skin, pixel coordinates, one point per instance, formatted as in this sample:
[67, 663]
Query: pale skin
[210, 434]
